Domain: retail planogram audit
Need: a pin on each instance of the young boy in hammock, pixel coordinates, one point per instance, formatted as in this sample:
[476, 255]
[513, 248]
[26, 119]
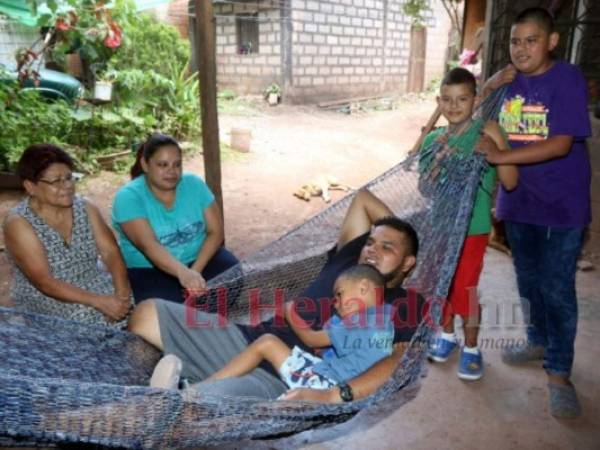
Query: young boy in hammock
[457, 101]
[352, 340]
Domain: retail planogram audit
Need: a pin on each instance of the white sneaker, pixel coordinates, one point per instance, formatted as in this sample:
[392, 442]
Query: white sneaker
[166, 373]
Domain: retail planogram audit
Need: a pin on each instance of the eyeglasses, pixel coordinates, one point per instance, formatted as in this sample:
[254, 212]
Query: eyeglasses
[67, 180]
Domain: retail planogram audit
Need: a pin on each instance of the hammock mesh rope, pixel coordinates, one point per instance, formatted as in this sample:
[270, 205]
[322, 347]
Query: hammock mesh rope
[63, 382]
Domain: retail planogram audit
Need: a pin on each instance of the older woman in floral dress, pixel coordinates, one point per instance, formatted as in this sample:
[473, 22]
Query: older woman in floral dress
[55, 239]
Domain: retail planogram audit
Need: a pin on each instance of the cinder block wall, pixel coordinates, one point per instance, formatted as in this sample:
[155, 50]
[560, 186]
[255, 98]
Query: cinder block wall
[438, 30]
[593, 242]
[250, 73]
[348, 48]
[339, 48]
[14, 36]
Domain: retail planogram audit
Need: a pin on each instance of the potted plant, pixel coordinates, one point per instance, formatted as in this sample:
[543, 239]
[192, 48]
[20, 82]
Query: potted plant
[273, 94]
[103, 87]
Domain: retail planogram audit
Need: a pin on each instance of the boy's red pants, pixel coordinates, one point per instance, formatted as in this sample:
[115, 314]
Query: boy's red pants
[463, 299]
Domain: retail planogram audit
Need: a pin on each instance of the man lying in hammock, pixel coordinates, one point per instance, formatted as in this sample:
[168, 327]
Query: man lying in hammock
[370, 234]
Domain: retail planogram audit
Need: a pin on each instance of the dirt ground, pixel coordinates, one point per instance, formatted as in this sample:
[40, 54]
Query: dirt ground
[507, 409]
[290, 146]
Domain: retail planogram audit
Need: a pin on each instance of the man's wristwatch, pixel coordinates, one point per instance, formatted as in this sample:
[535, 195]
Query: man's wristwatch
[346, 393]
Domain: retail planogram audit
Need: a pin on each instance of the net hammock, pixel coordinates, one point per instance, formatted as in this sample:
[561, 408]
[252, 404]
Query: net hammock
[63, 382]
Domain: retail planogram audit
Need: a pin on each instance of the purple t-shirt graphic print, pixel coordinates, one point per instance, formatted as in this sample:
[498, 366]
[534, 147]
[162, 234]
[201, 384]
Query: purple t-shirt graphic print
[552, 193]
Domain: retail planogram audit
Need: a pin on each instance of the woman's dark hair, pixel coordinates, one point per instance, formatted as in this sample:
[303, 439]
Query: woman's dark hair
[148, 148]
[38, 157]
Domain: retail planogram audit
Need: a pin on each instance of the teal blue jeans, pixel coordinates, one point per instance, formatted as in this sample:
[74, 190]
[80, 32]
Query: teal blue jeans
[545, 260]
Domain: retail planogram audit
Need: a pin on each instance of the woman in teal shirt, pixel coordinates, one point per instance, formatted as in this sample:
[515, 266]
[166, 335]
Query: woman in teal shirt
[169, 226]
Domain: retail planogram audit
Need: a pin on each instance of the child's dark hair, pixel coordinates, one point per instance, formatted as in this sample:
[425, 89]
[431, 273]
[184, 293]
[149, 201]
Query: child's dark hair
[404, 228]
[540, 16]
[458, 75]
[147, 149]
[362, 271]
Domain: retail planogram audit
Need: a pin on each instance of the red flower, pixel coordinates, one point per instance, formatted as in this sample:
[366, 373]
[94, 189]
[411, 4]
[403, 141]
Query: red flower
[62, 25]
[113, 37]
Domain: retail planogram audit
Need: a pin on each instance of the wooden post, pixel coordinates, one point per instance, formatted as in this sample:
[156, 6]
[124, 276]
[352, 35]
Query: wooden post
[207, 71]
[416, 64]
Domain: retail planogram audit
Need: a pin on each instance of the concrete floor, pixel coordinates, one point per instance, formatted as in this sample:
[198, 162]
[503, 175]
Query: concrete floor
[507, 409]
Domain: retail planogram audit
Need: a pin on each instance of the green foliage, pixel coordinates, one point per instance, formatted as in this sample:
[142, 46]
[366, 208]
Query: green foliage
[272, 89]
[416, 9]
[27, 118]
[152, 90]
[172, 101]
[151, 46]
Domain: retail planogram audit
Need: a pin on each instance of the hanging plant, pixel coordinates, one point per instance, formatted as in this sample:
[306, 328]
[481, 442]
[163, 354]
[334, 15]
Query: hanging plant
[416, 9]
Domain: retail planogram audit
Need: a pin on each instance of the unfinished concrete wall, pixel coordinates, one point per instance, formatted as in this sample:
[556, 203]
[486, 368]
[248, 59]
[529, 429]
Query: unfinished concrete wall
[351, 48]
[253, 72]
[438, 31]
[14, 36]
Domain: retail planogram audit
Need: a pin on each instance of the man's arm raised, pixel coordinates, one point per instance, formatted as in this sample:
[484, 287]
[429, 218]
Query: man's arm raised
[362, 386]
[362, 212]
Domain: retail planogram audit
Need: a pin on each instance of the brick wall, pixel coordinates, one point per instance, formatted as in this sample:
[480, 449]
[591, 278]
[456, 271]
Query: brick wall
[253, 72]
[14, 36]
[437, 42]
[338, 48]
[348, 47]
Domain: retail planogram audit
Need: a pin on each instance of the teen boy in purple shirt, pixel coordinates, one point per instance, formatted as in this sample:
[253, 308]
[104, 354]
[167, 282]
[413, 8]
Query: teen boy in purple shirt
[546, 118]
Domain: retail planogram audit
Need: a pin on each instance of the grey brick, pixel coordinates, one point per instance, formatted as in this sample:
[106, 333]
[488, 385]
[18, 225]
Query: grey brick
[326, 7]
[319, 39]
[320, 18]
[312, 6]
[336, 29]
[333, 19]
[340, 10]
[305, 38]
[309, 27]
[325, 29]
[310, 49]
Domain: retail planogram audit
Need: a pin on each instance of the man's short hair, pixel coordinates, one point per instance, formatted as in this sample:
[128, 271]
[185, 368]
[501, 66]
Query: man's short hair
[403, 227]
[540, 16]
[458, 75]
[362, 271]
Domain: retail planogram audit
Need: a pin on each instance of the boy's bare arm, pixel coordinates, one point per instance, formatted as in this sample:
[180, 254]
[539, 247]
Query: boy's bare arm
[508, 174]
[362, 212]
[362, 386]
[312, 338]
[500, 78]
[551, 148]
